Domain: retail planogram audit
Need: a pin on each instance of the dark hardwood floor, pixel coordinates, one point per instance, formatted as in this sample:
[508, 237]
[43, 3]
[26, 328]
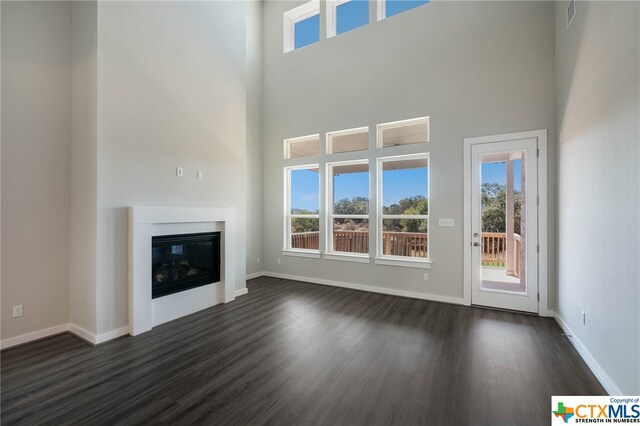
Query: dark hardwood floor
[297, 353]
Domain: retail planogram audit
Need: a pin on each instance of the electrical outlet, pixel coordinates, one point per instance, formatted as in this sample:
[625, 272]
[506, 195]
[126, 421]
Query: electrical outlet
[425, 277]
[179, 172]
[258, 260]
[584, 318]
[279, 261]
[17, 311]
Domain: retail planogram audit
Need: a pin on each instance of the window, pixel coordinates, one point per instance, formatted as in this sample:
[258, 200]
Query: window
[403, 212]
[405, 132]
[328, 195]
[348, 140]
[302, 26]
[305, 146]
[346, 15]
[303, 208]
[389, 8]
[348, 192]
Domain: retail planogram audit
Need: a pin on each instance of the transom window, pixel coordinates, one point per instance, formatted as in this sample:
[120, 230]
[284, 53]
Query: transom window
[346, 15]
[302, 26]
[405, 132]
[389, 8]
[348, 140]
[305, 146]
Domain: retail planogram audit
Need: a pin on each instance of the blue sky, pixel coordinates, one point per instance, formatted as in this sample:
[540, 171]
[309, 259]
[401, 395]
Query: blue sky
[497, 173]
[398, 6]
[352, 15]
[397, 184]
[307, 31]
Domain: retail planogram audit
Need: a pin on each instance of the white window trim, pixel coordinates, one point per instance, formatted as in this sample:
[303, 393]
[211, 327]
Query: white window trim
[288, 215]
[292, 17]
[380, 128]
[312, 254]
[403, 262]
[330, 215]
[289, 142]
[381, 9]
[348, 257]
[331, 135]
[382, 259]
[332, 16]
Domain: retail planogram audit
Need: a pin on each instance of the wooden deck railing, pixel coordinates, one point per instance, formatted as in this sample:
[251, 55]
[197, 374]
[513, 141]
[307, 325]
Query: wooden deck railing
[494, 245]
[306, 240]
[411, 244]
[494, 250]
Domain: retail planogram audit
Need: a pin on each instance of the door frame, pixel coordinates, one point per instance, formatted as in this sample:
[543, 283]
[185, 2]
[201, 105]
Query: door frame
[541, 136]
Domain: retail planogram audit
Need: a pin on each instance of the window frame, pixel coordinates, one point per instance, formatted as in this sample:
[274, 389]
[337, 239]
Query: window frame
[330, 216]
[288, 216]
[292, 141]
[382, 258]
[380, 128]
[292, 16]
[347, 132]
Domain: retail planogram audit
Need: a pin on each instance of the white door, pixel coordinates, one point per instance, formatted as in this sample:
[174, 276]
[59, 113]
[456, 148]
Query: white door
[504, 224]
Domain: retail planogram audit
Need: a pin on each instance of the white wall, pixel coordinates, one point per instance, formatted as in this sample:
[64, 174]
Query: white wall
[598, 72]
[254, 135]
[171, 92]
[84, 146]
[476, 68]
[36, 121]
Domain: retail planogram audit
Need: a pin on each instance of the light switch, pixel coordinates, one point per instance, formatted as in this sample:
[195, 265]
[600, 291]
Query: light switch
[199, 174]
[445, 222]
[179, 171]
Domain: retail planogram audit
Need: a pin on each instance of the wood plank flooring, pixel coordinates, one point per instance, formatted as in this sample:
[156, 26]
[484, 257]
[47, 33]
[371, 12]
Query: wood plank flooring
[298, 353]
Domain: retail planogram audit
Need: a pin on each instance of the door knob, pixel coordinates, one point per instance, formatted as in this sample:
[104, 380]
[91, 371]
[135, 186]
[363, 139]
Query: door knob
[477, 244]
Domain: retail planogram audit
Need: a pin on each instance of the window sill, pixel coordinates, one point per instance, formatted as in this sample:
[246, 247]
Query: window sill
[302, 253]
[409, 263]
[348, 257]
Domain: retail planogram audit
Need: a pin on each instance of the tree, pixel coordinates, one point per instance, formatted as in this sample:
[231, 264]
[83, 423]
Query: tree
[356, 205]
[304, 224]
[494, 208]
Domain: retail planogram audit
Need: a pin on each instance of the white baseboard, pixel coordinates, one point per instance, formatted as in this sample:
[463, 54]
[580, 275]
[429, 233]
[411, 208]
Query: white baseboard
[241, 292]
[36, 335]
[593, 365]
[113, 334]
[85, 335]
[254, 275]
[370, 288]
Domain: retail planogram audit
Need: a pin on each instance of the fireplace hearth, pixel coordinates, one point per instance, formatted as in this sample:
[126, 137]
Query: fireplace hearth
[183, 262]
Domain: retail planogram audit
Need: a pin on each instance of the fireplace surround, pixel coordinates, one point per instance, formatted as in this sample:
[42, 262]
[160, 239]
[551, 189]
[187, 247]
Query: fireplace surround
[145, 311]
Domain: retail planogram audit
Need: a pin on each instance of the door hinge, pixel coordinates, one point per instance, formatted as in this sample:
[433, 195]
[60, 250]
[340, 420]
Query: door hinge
[537, 152]
[538, 248]
[537, 200]
[538, 297]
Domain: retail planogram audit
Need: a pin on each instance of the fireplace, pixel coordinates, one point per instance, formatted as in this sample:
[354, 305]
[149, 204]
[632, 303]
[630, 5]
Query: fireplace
[183, 262]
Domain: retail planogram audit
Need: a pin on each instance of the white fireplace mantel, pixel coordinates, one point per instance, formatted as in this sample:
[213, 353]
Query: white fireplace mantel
[143, 225]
